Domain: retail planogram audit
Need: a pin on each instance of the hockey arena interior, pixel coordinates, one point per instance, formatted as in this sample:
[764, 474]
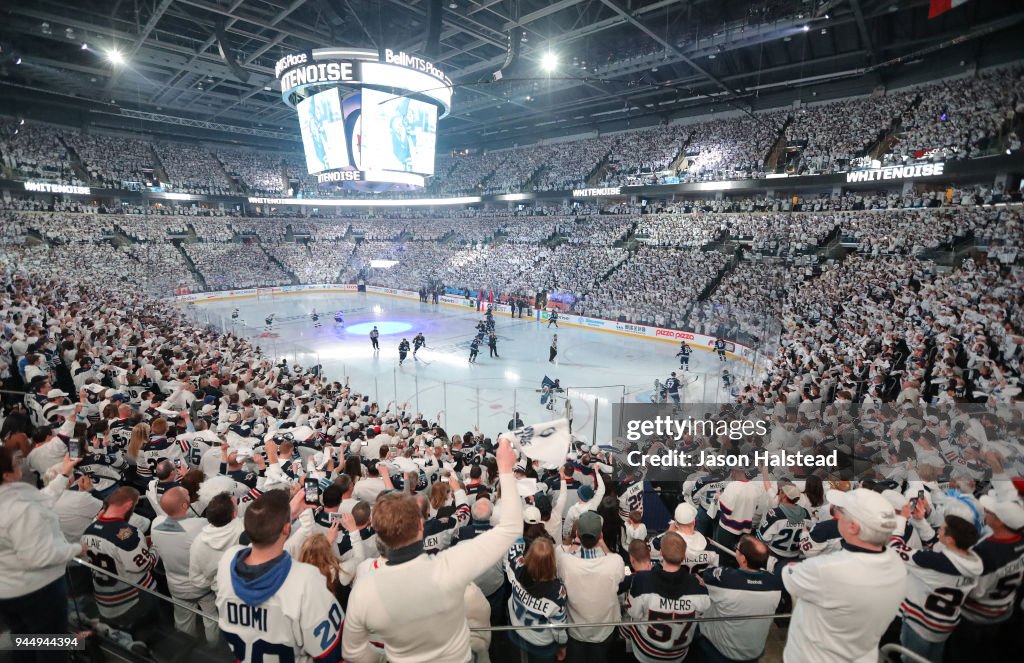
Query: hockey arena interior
[430, 331]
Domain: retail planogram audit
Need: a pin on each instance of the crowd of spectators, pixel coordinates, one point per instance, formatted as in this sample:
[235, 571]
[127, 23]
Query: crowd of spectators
[962, 118]
[836, 133]
[231, 265]
[261, 173]
[113, 160]
[655, 286]
[35, 152]
[192, 169]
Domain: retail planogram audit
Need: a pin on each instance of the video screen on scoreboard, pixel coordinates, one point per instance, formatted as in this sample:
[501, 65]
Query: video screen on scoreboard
[399, 133]
[323, 132]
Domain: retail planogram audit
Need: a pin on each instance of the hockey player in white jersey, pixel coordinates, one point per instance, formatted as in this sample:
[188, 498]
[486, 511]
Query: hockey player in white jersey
[938, 582]
[270, 605]
[670, 593]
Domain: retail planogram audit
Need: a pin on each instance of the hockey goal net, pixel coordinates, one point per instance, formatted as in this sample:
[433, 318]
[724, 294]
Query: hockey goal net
[264, 293]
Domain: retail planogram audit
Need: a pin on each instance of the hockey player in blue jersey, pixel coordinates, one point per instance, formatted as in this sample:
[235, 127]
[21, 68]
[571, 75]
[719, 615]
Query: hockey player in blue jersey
[720, 348]
[684, 356]
[418, 341]
[339, 317]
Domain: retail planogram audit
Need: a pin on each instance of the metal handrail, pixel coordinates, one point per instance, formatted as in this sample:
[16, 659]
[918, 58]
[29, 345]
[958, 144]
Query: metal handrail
[893, 648]
[148, 590]
[535, 627]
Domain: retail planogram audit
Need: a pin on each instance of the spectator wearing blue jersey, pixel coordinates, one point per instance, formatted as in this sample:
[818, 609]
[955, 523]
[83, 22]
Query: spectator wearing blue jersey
[537, 598]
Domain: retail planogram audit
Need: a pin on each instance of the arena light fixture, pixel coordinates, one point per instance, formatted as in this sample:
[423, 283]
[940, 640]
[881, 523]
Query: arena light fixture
[115, 56]
[806, 28]
[549, 61]
[85, 46]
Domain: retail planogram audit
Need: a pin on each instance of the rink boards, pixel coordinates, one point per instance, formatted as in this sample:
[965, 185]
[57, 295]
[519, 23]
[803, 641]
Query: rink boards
[697, 341]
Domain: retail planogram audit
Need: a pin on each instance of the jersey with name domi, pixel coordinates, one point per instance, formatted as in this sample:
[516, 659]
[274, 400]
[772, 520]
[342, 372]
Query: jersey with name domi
[287, 614]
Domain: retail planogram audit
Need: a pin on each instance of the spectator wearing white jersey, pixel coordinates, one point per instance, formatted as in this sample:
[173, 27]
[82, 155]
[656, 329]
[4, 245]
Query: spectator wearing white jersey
[415, 604]
[938, 582]
[173, 535]
[845, 600]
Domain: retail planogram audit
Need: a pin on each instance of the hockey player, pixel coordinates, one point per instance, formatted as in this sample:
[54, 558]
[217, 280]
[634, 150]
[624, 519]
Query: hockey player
[474, 350]
[672, 385]
[553, 350]
[418, 341]
[720, 347]
[726, 378]
[684, 356]
[374, 335]
[339, 317]
[234, 314]
[669, 593]
[316, 319]
[268, 603]
[270, 321]
[492, 343]
[553, 319]
[403, 351]
[938, 583]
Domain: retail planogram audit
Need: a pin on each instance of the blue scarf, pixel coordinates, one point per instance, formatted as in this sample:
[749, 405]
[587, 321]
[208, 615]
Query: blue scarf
[255, 590]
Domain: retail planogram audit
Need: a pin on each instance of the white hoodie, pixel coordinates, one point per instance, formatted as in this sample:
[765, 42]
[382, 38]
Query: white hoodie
[33, 550]
[207, 550]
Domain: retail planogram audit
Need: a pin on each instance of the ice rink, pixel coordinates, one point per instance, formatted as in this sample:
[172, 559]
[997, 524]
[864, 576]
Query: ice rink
[597, 369]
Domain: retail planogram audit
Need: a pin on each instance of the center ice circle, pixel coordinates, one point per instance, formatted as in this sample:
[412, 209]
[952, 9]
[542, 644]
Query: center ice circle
[385, 327]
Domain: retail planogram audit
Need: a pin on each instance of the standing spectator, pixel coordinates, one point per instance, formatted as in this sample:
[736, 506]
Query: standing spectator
[845, 600]
[269, 604]
[33, 555]
[173, 536]
[736, 508]
[538, 598]
[670, 593]
[118, 547]
[415, 604]
[223, 530]
[938, 582]
[747, 590]
[987, 628]
[591, 583]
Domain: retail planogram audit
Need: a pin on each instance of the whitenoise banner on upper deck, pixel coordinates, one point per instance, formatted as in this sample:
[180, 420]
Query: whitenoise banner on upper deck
[842, 441]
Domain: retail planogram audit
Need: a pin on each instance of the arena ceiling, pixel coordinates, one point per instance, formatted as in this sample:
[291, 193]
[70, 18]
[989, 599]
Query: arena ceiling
[618, 61]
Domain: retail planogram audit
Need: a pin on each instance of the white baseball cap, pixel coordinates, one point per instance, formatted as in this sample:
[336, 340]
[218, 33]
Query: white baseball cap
[531, 515]
[685, 513]
[897, 499]
[865, 506]
[1011, 513]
